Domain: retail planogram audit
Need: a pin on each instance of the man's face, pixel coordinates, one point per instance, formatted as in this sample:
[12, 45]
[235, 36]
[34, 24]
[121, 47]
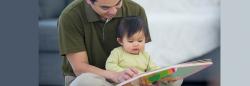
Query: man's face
[133, 44]
[107, 9]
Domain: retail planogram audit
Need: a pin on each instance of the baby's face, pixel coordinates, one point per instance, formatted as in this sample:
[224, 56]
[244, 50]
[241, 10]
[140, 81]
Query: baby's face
[134, 44]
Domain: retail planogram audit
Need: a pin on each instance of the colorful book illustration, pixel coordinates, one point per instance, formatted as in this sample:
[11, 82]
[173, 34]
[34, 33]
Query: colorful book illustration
[174, 72]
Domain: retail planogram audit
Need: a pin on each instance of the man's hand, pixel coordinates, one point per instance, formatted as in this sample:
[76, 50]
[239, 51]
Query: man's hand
[119, 77]
[169, 80]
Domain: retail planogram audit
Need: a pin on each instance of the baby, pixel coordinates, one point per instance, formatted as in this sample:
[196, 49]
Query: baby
[132, 35]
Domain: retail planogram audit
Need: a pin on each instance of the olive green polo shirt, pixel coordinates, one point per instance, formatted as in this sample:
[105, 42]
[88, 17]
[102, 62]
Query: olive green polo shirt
[81, 29]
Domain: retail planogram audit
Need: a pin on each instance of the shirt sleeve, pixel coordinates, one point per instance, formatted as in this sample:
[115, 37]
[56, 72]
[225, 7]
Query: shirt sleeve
[112, 63]
[70, 35]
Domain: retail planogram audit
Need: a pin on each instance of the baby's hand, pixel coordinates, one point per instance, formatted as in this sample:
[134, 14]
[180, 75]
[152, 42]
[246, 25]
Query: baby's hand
[119, 77]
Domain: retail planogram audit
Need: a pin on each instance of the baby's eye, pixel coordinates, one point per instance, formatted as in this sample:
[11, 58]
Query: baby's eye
[140, 41]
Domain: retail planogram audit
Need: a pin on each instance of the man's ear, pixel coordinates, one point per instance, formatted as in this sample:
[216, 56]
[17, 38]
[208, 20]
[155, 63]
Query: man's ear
[119, 40]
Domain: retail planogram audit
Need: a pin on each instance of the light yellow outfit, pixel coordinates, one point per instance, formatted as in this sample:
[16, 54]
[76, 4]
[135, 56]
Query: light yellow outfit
[120, 60]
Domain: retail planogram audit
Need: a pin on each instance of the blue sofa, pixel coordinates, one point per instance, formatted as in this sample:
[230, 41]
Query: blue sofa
[50, 73]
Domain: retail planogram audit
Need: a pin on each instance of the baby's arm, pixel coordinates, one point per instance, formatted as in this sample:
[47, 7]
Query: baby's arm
[150, 64]
[112, 62]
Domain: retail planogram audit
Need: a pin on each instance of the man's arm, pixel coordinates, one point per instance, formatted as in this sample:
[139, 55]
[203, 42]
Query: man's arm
[79, 63]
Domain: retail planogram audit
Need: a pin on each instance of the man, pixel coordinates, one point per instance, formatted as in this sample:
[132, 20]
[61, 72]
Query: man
[87, 35]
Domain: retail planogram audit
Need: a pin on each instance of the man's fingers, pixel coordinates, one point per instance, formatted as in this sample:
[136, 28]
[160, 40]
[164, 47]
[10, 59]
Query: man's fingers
[126, 77]
[171, 81]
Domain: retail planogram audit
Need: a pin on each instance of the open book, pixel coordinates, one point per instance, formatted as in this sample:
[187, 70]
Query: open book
[174, 72]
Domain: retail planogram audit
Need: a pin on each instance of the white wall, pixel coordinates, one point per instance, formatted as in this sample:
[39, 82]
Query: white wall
[181, 29]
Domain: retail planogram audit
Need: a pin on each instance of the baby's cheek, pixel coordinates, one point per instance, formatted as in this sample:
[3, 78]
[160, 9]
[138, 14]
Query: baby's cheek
[142, 48]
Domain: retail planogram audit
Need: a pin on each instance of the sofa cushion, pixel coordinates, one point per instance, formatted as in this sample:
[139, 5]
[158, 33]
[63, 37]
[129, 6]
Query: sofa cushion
[50, 69]
[48, 35]
[51, 8]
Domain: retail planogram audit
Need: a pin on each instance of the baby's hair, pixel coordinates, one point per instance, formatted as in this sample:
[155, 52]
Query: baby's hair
[131, 25]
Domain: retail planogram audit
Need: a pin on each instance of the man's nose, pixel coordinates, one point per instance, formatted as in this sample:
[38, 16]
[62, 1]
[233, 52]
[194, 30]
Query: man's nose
[112, 11]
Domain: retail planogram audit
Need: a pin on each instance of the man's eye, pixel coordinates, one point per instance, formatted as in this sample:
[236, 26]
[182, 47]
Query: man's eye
[130, 41]
[104, 8]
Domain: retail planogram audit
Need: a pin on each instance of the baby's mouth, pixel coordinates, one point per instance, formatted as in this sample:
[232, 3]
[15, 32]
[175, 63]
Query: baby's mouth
[135, 49]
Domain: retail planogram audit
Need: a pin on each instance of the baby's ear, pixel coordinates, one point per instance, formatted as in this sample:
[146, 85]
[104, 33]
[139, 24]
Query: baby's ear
[119, 40]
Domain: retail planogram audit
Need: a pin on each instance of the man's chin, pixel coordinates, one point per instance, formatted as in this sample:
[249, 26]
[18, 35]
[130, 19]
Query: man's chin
[106, 18]
[109, 17]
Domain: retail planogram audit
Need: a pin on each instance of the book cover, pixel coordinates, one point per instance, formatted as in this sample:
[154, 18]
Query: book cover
[174, 72]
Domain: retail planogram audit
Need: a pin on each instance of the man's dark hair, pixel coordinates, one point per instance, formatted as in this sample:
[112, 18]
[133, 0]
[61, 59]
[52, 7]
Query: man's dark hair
[93, 1]
[131, 25]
